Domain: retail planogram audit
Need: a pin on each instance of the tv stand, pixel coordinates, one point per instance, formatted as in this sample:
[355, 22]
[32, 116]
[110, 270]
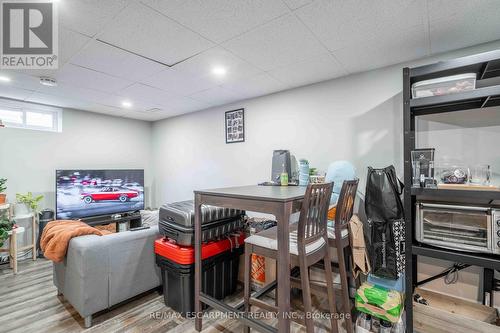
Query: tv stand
[132, 218]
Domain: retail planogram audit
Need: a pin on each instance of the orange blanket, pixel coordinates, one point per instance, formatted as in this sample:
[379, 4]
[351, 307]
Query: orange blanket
[57, 234]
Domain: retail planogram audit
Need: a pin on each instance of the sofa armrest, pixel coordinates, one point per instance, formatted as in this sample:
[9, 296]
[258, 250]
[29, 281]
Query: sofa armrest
[83, 275]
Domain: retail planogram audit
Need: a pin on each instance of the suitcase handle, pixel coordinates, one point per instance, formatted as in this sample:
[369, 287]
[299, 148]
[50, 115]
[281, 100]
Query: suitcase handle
[170, 233]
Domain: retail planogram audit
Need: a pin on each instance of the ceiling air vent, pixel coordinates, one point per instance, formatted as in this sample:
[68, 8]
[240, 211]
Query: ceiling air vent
[48, 81]
[153, 110]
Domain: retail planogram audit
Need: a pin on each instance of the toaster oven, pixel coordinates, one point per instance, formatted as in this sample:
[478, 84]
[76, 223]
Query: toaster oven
[464, 228]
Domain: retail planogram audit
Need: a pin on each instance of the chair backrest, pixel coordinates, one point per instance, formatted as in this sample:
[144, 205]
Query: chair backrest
[313, 214]
[345, 206]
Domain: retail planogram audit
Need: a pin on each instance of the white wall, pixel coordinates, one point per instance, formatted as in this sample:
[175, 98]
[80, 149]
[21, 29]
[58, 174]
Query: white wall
[355, 118]
[358, 118]
[28, 158]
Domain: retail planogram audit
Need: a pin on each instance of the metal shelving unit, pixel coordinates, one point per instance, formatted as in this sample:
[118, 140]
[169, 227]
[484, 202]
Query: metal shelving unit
[487, 94]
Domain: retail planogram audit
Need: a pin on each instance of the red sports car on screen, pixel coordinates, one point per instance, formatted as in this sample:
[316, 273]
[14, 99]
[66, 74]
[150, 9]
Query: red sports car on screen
[109, 193]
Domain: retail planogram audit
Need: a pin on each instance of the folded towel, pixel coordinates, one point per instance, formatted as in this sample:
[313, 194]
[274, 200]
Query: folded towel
[57, 234]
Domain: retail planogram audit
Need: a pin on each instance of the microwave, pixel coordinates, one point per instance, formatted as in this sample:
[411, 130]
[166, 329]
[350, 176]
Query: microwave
[463, 228]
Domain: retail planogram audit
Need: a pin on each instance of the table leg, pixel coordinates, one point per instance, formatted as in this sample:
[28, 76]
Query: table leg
[283, 263]
[197, 262]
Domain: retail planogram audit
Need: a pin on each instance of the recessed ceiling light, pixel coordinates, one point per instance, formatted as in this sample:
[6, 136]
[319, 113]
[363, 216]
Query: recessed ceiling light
[126, 104]
[4, 78]
[48, 81]
[219, 70]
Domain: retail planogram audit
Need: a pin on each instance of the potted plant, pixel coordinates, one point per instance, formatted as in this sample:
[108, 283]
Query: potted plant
[5, 227]
[2, 190]
[27, 203]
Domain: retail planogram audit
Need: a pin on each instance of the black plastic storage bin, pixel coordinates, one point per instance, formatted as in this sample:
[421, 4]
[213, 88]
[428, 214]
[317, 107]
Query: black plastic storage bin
[219, 279]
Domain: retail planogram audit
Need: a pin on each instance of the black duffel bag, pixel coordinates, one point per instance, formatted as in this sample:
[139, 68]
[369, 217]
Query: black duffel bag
[383, 195]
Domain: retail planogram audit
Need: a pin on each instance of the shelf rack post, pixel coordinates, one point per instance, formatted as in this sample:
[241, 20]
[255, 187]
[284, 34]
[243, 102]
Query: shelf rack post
[409, 201]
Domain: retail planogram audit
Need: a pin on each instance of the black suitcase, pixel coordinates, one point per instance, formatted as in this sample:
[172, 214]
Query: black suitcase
[177, 222]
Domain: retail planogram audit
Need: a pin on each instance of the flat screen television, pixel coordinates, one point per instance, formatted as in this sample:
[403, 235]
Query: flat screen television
[87, 193]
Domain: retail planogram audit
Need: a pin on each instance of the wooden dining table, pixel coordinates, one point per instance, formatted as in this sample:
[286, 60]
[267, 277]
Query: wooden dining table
[280, 201]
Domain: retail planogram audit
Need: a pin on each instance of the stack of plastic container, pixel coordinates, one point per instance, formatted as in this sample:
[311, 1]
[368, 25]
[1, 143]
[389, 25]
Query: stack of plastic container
[220, 261]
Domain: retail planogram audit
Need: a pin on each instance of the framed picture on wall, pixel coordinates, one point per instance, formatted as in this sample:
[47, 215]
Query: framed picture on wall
[235, 126]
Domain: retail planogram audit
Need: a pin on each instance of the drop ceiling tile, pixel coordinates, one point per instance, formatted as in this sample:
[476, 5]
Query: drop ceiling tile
[142, 92]
[106, 109]
[220, 20]
[88, 16]
[451, 34]
[142, 116]
[60, 101]
[36, 73]
[403, 46]
[294, 4]
[141, 106]
[177, 82]
[340, 24]
[13, 92]
[160, 116]
[87, 78]
[20, 80]
[317, 69]
[183, 105]
[69, 90]
[442, 9]
[70, 43]
[281, 42]
[258, 85]
[114, 61]
[216, 96]
[144, 31]
[202, 65]
[468, 23]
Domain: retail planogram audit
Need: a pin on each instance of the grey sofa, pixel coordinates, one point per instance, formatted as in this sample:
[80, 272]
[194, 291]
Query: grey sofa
[101, 271]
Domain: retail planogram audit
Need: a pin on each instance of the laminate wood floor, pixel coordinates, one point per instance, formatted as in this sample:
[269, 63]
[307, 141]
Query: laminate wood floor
[29, 303]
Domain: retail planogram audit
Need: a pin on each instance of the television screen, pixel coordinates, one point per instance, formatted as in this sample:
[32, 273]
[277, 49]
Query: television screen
[85, 193]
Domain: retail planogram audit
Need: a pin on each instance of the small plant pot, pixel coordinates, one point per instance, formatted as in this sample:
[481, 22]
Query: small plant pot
[3, 196]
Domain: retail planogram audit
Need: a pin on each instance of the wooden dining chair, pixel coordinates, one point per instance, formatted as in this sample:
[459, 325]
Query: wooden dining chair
[338, 238]
[308, 246]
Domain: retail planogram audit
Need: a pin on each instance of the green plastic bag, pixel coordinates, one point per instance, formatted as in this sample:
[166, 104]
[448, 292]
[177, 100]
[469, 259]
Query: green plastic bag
[379, 302]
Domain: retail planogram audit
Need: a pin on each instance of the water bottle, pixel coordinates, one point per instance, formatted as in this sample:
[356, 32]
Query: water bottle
[303, 172]
[284, 177]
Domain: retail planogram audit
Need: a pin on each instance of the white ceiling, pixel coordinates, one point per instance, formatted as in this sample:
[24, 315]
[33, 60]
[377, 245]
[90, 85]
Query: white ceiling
[160, 54]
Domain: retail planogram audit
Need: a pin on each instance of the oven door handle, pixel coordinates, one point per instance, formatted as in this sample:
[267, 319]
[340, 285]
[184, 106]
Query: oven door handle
[477, 209]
